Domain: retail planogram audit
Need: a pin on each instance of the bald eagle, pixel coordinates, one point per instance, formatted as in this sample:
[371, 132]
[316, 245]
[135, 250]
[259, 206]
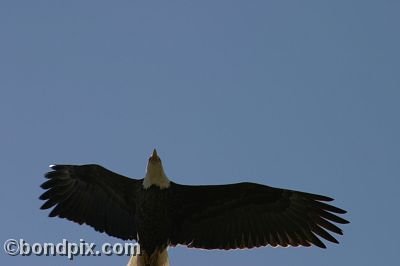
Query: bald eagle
[158, 213]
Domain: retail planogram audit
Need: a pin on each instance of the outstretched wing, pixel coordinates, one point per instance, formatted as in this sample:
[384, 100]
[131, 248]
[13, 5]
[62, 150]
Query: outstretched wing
[93, 195]
[247, 215]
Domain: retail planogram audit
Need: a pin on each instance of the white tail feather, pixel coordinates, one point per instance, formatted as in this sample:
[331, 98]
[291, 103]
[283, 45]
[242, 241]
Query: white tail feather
[157, 259]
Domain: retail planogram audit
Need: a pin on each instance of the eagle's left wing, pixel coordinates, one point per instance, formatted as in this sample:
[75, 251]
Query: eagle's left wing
[247, 215]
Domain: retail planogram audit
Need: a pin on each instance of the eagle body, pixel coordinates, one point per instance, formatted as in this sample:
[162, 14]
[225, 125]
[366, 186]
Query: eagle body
[158, 213]
[153, 218]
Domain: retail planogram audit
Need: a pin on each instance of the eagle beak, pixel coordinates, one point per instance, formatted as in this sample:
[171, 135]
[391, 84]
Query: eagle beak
[154, 157]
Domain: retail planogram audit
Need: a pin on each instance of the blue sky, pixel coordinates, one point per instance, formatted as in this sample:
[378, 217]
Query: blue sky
[294, 94]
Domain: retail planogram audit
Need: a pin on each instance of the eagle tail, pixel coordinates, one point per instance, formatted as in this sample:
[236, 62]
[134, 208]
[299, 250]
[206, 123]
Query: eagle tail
[158, 258]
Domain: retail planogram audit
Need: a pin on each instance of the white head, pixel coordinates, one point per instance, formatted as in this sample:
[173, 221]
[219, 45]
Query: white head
[155, 173]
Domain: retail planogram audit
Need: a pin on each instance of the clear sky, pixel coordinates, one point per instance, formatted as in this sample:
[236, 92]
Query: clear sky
[294, 94]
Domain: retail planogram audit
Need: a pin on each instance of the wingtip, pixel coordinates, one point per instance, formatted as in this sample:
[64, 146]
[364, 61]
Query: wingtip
[48, 204]
[44, 185]
[319, 244]
[340, 210]
[42, 197]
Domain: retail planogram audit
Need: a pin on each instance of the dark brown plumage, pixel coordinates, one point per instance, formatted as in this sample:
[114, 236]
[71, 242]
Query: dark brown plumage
[242, 215]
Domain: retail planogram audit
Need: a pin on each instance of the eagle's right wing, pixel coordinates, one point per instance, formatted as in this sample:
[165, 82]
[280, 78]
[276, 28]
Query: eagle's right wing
[93, 195]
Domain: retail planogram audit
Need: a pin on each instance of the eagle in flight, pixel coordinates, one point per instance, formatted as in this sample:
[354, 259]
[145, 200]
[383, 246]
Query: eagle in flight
[158, 213]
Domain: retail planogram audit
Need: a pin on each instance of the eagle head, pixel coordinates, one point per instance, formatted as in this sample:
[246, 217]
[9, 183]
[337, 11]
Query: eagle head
[155, 174]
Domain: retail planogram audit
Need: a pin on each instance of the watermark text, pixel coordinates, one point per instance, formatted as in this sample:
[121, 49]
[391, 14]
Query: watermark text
[20, 247]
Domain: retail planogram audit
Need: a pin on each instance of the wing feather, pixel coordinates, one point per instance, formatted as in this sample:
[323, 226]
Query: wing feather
[247, 215]
[93, 195]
